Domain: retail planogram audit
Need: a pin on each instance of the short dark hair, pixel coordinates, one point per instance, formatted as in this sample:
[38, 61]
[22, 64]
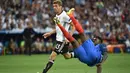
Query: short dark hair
[59, 2]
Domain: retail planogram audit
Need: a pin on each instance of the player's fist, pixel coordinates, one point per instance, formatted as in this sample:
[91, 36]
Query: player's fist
[66, 41]
[46, 35]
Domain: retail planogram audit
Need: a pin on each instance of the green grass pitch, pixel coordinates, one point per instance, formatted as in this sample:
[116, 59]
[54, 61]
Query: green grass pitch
[116, 63]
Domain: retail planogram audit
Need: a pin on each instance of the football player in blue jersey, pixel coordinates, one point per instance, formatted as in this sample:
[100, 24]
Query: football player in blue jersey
[87, 52]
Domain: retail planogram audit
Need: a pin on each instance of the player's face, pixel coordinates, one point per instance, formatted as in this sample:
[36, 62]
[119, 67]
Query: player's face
[96, 41]
[57, 8]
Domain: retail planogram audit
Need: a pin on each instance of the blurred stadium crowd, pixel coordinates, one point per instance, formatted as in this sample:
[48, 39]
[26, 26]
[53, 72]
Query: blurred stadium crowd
[109, 19]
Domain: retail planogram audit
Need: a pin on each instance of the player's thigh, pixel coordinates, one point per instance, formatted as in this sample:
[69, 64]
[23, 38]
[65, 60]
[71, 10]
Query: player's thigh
[81, 54]
[61, 48]
[65, 49]
[88, 46]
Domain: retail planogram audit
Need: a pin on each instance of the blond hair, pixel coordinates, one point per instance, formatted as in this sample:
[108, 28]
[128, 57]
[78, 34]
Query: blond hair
[59, 2]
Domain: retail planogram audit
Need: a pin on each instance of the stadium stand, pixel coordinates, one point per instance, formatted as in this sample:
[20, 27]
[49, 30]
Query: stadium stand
[109, 19]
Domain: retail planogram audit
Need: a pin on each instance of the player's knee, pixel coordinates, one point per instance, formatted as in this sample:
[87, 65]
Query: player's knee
[67, 56]
[53, 56]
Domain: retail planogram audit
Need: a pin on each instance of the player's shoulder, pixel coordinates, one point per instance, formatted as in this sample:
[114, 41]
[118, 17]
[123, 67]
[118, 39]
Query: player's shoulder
[64, 12]
[61, 15]
[103, 46]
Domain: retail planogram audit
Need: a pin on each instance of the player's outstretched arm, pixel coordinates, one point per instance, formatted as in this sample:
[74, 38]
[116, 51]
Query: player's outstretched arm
[49, 33]
[105, 56]
[99, 68]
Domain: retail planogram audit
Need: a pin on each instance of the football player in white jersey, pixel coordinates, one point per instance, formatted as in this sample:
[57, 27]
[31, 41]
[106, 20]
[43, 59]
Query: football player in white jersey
[62, 43]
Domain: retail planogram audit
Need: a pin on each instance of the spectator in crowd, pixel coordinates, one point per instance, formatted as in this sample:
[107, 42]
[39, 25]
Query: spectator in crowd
[49, 45]
[12, 46]
[38, 46]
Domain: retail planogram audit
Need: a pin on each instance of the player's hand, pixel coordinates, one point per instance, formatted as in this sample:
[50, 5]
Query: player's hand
[56, 20]
[66, 41]
[46, 35]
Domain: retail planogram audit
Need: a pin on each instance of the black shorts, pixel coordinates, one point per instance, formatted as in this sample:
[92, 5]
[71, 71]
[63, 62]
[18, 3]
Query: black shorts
[61, 47]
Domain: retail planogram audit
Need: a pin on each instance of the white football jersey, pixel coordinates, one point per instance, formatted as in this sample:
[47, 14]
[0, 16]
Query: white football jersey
[64, 20]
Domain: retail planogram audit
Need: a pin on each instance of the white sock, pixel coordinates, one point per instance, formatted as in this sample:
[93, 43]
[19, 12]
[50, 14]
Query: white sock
[72, 54]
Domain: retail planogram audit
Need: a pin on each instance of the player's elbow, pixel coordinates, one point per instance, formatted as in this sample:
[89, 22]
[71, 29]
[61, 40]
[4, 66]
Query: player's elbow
[99, 65]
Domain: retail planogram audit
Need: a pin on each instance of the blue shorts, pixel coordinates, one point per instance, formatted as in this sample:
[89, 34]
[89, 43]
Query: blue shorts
[88, 54]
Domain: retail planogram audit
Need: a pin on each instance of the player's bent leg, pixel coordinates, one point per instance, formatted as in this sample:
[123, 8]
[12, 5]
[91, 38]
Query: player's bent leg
[69, 55]
[65, 52]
